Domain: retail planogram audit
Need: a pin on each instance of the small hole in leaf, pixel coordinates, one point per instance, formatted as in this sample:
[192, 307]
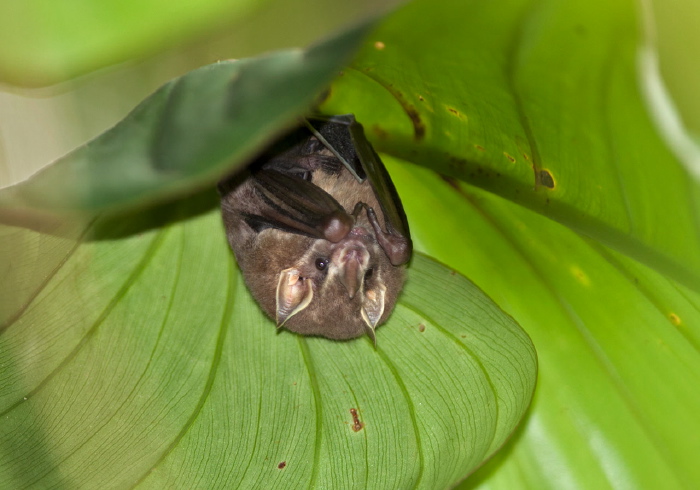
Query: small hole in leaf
[546, 179]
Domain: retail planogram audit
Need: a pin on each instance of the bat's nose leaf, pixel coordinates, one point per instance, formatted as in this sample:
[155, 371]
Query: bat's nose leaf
[353, 263]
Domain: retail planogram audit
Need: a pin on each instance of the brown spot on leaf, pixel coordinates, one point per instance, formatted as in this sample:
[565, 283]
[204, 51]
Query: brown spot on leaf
[509, 157]
[421, 327]
[545, 178]
[411, 112]
[379, 45]
[479, 147]
[420, 97]
[453, 111]
[418, 126]
[356, 424]
[282, 465]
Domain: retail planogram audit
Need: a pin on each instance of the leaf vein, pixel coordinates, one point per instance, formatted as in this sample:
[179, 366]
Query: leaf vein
[218, 351]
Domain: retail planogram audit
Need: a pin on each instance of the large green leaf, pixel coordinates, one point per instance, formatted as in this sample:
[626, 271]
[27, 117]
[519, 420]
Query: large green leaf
[538, 102]
[144, 360]
[496, 94]
[616, 404]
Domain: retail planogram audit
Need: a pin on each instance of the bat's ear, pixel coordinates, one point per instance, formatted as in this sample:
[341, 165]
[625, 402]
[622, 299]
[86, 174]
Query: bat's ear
[294, 293]
[373, 308]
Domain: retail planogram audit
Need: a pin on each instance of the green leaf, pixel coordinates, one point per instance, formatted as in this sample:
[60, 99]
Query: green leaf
[539, 103]
[183, 137]
[144, 360]
[616, 404]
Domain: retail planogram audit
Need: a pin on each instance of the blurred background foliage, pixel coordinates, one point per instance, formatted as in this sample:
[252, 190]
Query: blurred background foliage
[67, 78]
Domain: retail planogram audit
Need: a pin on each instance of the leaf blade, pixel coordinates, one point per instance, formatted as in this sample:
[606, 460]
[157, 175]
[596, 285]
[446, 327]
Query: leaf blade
[542, 105]
[136, 366]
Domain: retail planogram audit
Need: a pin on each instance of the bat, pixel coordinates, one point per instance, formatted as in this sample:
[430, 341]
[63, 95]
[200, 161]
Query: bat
[319, 231]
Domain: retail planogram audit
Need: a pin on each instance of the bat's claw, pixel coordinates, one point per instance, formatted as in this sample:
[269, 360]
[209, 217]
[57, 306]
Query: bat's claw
[397, 248]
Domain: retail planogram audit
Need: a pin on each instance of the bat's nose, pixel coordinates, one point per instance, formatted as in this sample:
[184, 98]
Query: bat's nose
[353, 262]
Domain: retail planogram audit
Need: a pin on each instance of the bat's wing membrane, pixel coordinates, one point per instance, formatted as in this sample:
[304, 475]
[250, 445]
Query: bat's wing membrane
[295, 205]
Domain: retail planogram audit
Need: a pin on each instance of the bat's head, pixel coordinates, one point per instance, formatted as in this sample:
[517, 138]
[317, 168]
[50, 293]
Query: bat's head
[336, 290]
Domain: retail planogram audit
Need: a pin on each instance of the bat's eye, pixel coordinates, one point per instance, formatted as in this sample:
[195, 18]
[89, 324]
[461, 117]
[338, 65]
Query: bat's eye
[321, 264]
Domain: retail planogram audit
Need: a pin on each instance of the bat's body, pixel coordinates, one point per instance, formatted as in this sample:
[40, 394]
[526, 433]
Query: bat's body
[322, 250]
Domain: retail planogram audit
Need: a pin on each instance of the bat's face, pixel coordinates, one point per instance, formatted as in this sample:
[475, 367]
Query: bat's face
[315, 287]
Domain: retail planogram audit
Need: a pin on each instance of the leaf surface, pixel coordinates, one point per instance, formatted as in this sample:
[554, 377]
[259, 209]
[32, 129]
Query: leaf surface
[540, 103]
[617, 342]
[144, 360]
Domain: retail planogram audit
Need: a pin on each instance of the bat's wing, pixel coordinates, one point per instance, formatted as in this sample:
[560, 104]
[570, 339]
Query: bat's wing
[347, 137]
[293, 204]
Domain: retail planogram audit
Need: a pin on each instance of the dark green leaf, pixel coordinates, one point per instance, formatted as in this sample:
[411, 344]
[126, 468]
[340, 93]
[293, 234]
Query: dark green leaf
[185, 136]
